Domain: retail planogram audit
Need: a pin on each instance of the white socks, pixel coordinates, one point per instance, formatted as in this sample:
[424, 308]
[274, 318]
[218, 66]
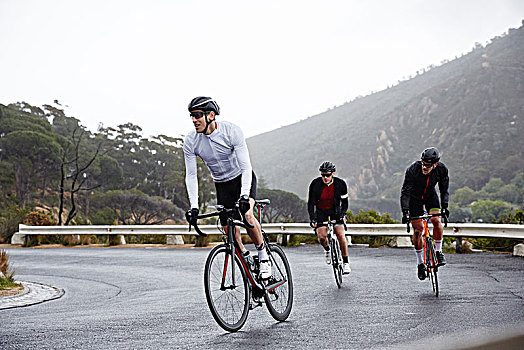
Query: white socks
[262, 254]
[420, 257]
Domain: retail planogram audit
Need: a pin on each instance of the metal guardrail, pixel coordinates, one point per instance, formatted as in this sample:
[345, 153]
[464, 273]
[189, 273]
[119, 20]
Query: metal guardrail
[453, 230]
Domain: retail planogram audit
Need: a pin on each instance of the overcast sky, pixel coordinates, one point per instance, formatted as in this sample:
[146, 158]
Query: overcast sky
[267, 63]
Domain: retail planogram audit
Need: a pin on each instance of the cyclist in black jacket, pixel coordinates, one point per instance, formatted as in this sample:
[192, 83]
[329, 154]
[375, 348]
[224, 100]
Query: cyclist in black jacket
[418, 191]
[328, 199]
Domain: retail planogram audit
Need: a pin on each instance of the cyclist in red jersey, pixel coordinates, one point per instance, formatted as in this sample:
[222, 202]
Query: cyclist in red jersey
[418, 191]
[328, 198]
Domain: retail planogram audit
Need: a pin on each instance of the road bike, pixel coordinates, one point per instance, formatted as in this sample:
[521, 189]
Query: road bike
[430, 259]
[232, 282]
[336, 254]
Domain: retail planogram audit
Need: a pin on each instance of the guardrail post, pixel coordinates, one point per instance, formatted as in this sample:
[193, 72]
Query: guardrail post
[174, 239]
[518, 250]
[458, 241]
[282, 239]
[18, 238]
[458, 245]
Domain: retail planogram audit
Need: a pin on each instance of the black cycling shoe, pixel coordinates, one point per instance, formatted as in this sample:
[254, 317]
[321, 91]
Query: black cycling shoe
[421, 272]
[441, 260]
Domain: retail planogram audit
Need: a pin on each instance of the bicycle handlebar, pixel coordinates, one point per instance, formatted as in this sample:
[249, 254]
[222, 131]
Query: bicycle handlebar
[220, 209]
[426, 217]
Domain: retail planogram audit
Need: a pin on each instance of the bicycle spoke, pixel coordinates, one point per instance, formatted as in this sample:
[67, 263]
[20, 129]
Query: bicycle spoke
[228, 302]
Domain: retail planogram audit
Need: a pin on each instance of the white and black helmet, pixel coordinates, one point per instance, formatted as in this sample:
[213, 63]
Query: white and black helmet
[327, 167]
[203, 103]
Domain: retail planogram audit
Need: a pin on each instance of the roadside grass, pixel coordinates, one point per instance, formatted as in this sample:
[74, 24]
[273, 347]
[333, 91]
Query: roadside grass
[7, 280]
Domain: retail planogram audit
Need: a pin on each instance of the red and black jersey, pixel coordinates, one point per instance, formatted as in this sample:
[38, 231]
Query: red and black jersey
[340, 200]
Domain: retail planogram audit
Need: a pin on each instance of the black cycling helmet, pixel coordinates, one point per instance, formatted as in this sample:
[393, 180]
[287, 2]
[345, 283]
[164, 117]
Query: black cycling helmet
[327, 167]
[203, 103]
[430, 155]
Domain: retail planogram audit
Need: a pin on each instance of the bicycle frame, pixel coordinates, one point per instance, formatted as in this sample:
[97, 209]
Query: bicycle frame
[430, 260]
[232, 282]
[233, 249]
[428, 244]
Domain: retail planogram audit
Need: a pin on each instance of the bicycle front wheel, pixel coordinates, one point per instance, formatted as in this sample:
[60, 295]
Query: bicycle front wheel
[336, 261]
[228, 300]
[432, 266]
[279, 287]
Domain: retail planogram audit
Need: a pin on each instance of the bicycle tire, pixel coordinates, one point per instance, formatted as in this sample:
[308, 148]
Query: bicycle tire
[336, 261]
[229, 307]
[279, 299]
[432, 266]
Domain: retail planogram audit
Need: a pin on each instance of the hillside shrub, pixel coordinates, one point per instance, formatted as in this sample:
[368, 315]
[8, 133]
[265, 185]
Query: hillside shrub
[11, 217]
[370, 217]
[363, 217]
[38, 218]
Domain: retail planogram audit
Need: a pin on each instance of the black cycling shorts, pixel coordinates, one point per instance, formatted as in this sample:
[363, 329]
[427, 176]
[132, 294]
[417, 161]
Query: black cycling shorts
[430, 201]
[325, 215]
[228, 193]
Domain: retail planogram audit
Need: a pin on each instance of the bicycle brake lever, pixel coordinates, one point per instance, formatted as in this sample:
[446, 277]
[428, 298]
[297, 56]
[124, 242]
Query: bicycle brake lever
[200, 233]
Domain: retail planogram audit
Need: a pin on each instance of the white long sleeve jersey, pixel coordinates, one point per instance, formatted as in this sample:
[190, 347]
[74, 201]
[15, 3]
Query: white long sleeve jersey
[224, 152]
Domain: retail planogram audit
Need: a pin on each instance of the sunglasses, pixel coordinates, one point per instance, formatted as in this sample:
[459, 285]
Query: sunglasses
[196, 115]
[427, 165]
[326, 175]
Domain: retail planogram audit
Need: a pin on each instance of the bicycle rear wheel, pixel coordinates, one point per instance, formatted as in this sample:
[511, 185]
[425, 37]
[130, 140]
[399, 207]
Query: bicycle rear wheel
[228, 302]
[279, 287]
[336, 261]
[432, 268]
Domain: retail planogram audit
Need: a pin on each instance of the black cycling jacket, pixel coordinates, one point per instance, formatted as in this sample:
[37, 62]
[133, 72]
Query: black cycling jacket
[417, 186]
[340, 195]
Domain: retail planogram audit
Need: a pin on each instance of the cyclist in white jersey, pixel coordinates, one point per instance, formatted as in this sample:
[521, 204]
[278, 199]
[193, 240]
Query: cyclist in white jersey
[222, 147]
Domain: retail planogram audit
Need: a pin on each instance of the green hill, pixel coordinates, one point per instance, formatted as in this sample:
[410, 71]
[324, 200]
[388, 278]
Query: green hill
[471, 108]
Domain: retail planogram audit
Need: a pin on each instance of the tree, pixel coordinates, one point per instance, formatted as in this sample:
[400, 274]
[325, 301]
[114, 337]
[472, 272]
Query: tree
[464, 196]
[28, 144]
[75, 162]
[488, 210]
[458, 213]
[510, 167]
[285, 206]
[494, 184]
[478, 177]
[508, 193]
[518, 180]
[519, 216]
[32, 156]
[134, 208]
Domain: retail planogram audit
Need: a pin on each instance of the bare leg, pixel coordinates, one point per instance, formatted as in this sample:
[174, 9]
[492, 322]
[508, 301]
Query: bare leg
[438, 230]
[340, 232]
[418, 227]
[322, 236]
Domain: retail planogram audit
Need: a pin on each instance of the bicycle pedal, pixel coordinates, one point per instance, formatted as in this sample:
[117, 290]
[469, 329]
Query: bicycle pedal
[255, 304]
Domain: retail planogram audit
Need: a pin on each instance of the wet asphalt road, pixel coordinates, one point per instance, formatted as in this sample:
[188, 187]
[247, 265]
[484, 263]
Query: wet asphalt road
[140, 298]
